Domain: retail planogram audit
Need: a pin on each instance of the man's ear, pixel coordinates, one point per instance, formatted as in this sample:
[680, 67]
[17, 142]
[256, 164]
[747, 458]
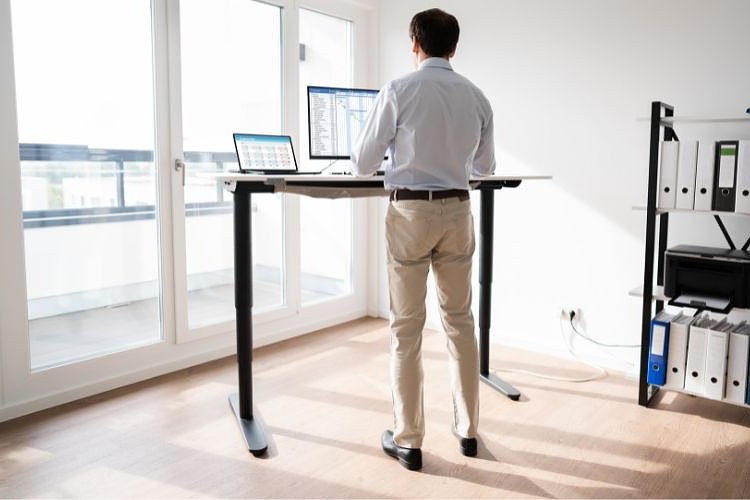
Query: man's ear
[415, 45]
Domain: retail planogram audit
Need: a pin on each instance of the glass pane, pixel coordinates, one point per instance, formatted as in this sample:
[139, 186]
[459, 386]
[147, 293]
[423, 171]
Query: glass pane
[86, 128]
[326, 235]
[231, 82]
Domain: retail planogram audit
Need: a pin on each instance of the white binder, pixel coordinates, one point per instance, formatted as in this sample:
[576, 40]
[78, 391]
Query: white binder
[704, 175]
[677, 353]
[686, 169]
[717, 343]
[695, 366]
[742, 194]
[739, 351]
[668, 173]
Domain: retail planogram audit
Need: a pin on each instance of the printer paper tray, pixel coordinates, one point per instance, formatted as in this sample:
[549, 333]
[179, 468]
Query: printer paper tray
[716, 304]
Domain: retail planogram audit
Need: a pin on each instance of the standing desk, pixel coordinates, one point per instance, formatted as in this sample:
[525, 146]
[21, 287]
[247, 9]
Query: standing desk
[243, 186]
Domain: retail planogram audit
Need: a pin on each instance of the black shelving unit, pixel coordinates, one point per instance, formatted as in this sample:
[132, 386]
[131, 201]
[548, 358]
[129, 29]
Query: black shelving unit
[661, 129]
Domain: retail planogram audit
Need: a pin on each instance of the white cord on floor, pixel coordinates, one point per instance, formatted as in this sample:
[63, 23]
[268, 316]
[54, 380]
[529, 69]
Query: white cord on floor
[601, 372]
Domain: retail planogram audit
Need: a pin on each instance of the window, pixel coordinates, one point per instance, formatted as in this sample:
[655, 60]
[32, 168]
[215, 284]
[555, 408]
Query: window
[86, 129]
[231, 82]
[120, 258]
[325, 225]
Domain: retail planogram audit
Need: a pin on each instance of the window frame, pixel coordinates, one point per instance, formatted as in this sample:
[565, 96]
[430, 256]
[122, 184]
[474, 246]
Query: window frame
[23, 391]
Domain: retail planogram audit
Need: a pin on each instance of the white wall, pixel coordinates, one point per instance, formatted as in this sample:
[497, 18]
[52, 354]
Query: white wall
[568, 81]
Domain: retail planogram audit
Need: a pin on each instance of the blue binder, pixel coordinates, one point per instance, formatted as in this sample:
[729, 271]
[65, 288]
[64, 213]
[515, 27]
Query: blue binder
[658, 349]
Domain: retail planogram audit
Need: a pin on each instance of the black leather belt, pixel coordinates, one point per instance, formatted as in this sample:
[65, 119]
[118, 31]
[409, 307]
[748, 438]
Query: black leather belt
[405, 194]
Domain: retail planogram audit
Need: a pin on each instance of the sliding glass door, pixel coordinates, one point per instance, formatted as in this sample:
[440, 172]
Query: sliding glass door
[85, 105]
[230, 81]
[326, 225]
[119, 244]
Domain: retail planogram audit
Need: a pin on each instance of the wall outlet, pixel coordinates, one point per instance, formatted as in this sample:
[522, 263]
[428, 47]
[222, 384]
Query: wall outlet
[565, 313]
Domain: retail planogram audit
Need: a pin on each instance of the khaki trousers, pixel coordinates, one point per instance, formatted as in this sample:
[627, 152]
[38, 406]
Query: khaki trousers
[440, 234]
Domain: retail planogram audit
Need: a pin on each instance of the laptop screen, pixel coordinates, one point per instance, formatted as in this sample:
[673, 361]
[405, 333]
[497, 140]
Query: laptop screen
[265, 153]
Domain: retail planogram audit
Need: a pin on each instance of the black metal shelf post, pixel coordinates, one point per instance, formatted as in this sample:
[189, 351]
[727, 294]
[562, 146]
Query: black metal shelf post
[659, 129]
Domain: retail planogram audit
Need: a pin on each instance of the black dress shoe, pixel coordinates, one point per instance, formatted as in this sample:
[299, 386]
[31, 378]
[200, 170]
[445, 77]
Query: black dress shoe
[468, 446]
[411, 458]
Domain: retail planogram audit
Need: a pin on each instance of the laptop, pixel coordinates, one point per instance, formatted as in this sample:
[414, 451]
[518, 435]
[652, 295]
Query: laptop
[265, 154]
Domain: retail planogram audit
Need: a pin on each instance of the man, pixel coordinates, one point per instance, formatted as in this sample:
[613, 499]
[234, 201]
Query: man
[439, 130]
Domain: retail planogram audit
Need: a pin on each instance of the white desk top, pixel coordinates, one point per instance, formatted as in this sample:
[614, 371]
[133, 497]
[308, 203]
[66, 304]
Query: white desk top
[239, 177]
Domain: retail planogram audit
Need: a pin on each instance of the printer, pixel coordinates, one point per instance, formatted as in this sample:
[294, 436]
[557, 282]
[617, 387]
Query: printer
[707, 278]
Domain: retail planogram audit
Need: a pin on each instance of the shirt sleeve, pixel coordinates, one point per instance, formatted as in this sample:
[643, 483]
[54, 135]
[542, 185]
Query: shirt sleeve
[484, 158]
[377, 134]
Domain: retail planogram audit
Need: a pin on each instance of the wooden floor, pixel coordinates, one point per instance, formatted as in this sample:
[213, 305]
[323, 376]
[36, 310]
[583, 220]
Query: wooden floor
[64, 338]
[325, 400]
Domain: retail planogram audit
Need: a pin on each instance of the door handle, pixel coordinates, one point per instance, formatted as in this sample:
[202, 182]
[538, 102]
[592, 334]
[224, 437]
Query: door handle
[179, 166]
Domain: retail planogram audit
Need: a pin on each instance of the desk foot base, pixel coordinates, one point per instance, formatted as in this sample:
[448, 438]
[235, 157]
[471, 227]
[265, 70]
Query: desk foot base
[251, 429]
[501, 386]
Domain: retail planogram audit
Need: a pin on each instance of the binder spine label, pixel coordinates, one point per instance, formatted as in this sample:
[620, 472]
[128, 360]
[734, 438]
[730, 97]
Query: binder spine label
[727, 160]
[657, 340]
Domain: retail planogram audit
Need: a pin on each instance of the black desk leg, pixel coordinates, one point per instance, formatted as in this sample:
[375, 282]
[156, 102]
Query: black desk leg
[242, 403]
[486, 229]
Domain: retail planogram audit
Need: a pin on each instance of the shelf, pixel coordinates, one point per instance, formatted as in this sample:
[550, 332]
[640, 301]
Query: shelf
[660, 211]
[707, 119]
[714, 304]
[657, 295]
[669, 120]
[702, 396]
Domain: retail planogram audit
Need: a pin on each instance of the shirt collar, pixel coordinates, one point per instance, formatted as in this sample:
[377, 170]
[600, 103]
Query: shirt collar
[436, 62]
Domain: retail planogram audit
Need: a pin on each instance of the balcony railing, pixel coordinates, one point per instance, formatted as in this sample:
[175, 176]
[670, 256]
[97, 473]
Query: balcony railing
[116, 161]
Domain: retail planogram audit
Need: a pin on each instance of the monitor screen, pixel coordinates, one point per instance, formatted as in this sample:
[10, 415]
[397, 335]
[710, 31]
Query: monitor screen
[335, 116]
[265, 153]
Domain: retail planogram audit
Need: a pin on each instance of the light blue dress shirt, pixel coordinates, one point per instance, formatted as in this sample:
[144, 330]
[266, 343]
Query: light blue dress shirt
[435, 126]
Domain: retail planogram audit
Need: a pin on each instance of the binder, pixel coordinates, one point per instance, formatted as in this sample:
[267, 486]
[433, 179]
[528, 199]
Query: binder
[677, 351]
[742, 199]
[695, 365]
[668, 173]
[725, 175]
[687, 161]
[717, 344]
[704, 176]
[658, 345]
[737, 364]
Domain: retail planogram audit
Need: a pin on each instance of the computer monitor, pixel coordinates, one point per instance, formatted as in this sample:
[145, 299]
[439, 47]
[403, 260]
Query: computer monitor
[335, 116]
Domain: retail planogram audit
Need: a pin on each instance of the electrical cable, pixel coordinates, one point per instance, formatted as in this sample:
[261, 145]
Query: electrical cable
[601, 371]
[551, 377]
[581, 334]
[328, 166]
[575, 330]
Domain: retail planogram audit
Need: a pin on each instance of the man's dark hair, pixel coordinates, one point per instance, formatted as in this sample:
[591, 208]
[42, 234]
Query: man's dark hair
[436, 31]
